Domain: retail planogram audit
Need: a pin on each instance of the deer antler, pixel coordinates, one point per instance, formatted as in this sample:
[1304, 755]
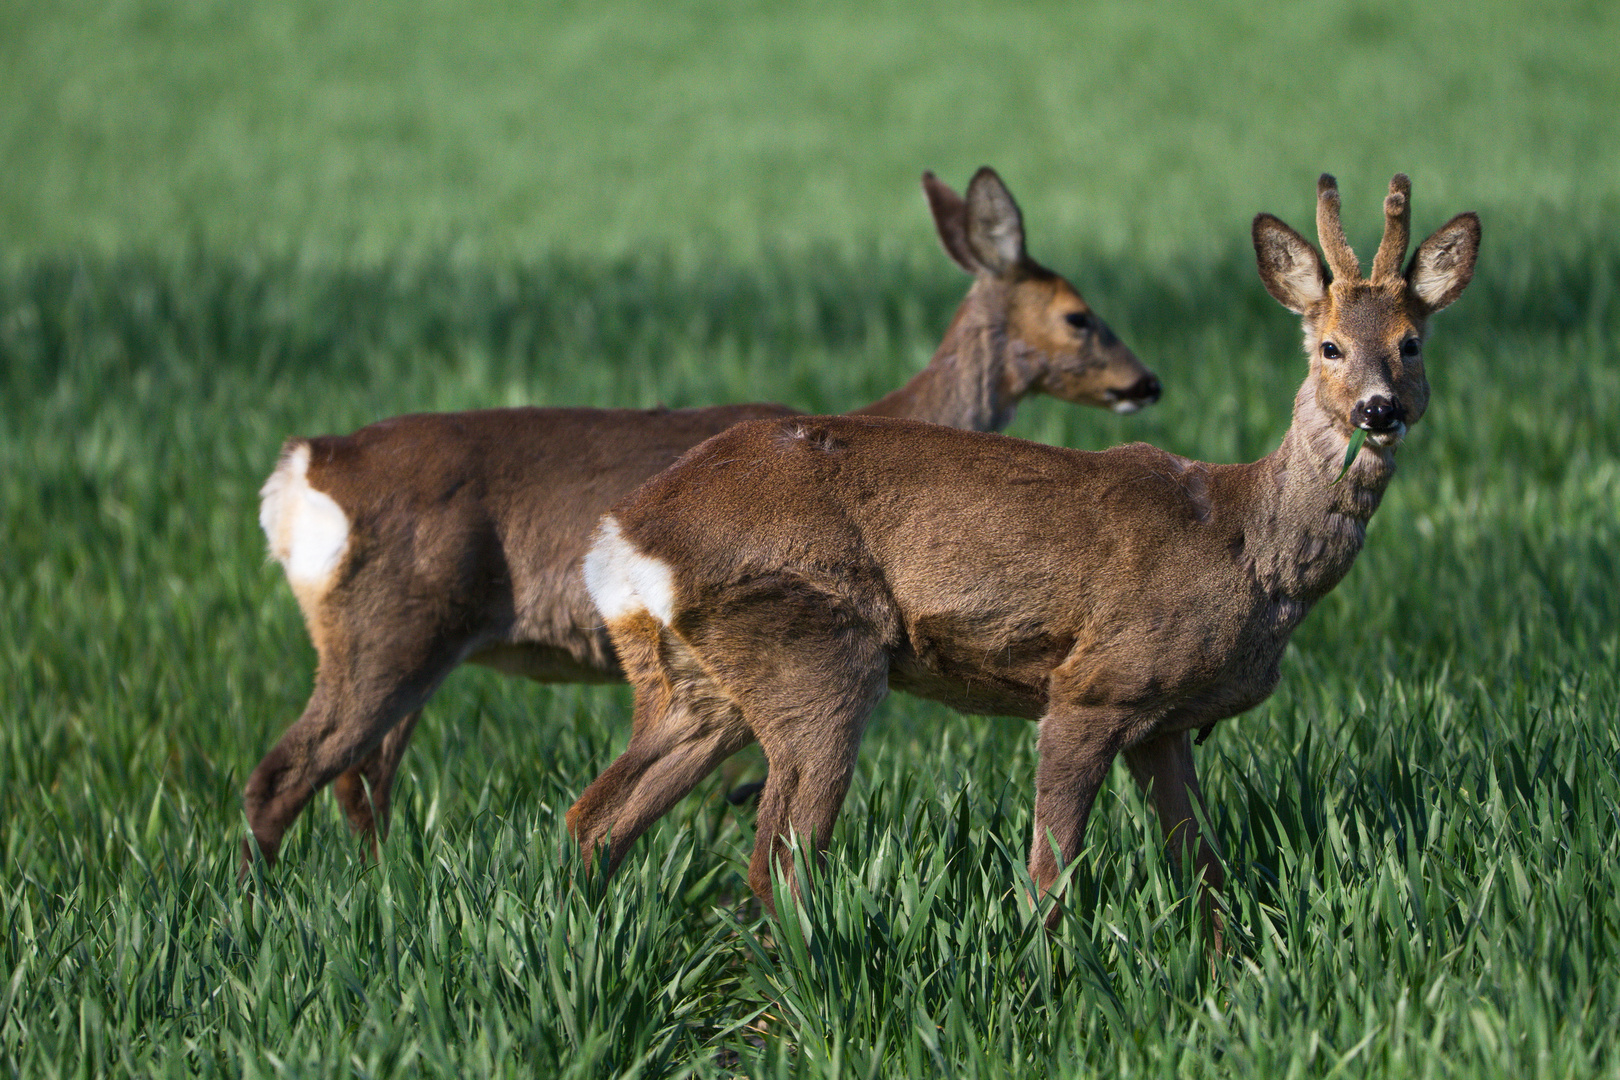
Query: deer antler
[1397, 229]
[1340, 259]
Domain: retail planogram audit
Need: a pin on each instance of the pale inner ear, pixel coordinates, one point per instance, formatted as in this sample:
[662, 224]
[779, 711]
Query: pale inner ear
[999, 246]
[995, 228]
[1303, 284]
[1289, 266]
[1444, 265]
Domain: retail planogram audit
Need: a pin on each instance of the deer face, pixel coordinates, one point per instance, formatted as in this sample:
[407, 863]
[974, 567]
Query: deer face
[1056, 343]
[1366, 349]
[1365, 335]
[1061, 347]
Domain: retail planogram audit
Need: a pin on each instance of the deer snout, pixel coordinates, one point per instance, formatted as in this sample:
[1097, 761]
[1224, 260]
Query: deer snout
[1378, 414]
[1144, 391]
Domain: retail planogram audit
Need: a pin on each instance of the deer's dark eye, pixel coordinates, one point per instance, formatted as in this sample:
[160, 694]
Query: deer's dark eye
[1411, 347]
[1331, 351]
[1081, 320]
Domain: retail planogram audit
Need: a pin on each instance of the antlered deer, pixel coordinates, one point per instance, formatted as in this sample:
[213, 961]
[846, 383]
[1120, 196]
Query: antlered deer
[420, 542]
[780, 578]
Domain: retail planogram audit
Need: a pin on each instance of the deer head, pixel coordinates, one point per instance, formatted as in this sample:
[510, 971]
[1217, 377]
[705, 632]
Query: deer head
[1364, 336]
[1059, 346]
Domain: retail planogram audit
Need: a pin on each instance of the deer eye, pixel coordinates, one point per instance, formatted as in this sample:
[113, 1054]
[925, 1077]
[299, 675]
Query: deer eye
[1331, 351]
[1411, 347]
[1080, 320]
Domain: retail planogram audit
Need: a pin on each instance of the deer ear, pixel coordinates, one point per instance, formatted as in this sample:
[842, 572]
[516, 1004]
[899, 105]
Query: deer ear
[1290, 267]
[950, 218]
[1444, 265]
[995, 228]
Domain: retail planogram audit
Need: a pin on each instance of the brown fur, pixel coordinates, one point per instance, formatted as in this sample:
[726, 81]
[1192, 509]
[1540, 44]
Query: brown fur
[466, 529]
[1123, 598]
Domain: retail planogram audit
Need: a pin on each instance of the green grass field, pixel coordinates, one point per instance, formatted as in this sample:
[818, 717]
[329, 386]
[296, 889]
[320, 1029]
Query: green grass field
[221, 225]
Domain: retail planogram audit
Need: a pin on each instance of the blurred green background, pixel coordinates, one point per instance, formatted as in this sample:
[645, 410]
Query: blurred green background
[1145, 129]
[222, 224]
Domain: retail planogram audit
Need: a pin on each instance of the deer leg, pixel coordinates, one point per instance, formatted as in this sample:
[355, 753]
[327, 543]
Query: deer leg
[673, 745]
[803, 793]
[354, 706]
[1163, 766]
[811, 735]
[1076, 750]
[791, 671]
[684, 726]
[366, 791]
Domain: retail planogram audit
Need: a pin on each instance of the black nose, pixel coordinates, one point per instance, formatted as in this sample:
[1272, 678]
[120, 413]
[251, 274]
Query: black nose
[1377, 413]
[1145, 389]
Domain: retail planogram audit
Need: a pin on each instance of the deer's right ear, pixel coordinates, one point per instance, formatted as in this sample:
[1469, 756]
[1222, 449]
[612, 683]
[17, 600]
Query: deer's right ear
[995, 228]
[1291, 268]
[950, 218]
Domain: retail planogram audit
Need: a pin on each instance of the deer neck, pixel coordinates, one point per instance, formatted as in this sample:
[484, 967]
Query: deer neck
[970, 382]
[1305, 530]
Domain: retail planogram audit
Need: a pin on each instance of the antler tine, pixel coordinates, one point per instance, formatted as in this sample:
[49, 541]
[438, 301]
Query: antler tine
[1397, 229]
[1340, 259]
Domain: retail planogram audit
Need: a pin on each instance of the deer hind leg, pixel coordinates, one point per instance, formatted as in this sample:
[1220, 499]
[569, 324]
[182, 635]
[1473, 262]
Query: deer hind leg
[676, 741]
[811, 755]
[1076, 748]
[361, 693]
[366, 791]
[808, 701]
[1163, 766]
[764, 669]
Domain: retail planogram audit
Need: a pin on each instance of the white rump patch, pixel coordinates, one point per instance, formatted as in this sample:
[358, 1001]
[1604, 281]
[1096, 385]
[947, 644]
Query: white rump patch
[307, 530]
[623, 581]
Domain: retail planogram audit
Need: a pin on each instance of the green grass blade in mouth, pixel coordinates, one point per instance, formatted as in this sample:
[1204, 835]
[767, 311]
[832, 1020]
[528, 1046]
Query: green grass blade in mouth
[1350, 453]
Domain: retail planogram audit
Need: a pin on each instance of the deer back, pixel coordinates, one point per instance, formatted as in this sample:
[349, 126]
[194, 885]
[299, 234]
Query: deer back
[485, 512]
[983, 561]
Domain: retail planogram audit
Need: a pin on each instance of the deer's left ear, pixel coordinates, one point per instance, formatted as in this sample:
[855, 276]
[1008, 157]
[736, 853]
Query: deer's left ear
[1444, 265]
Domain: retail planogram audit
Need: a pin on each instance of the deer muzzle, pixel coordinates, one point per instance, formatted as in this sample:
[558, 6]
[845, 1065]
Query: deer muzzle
[1382, 419]
[1378, 414]
[1145, 391]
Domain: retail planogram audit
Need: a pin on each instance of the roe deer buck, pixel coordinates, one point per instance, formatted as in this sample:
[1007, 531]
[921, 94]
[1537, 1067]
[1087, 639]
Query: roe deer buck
[420, 542]
[779, 579]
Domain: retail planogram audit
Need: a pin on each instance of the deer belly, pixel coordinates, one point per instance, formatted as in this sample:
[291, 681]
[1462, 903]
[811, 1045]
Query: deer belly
[547, 663]
[975, 698]
[944, 661]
